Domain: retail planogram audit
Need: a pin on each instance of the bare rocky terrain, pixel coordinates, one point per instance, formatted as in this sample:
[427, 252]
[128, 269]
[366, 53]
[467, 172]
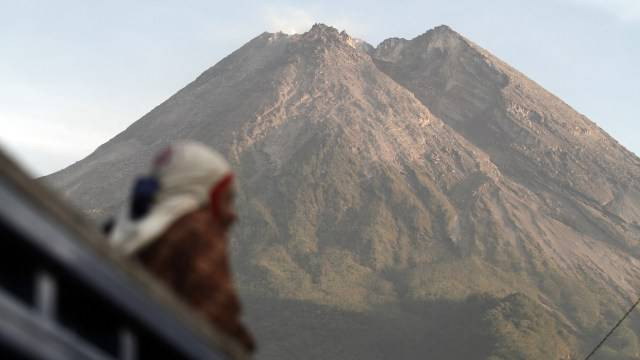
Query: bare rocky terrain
[401, 200]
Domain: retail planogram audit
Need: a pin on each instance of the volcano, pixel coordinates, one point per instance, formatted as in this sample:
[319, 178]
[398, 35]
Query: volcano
[416, 199]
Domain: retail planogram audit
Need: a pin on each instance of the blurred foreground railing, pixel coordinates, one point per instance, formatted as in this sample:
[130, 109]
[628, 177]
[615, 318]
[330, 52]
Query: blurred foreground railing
[63, 295]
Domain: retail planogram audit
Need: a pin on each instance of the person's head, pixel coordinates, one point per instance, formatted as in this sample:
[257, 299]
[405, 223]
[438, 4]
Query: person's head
[185, 177]
[192, 169]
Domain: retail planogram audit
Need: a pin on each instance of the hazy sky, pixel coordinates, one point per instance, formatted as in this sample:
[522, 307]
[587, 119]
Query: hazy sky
[75, 73]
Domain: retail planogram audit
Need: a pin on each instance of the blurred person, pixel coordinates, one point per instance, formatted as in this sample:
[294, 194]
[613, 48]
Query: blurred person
[176, 225]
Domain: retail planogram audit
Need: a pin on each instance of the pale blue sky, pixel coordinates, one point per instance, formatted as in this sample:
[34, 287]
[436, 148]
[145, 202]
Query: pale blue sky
[75, 73]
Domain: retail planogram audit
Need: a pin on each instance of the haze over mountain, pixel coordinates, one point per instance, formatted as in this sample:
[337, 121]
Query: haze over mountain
[402, 200]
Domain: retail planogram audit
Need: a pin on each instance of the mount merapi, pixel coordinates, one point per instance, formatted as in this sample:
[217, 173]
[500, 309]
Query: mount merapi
[419, 199]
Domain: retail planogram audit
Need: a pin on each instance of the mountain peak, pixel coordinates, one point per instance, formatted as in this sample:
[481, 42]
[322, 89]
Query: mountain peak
[322, 35]
[442, 37]
[440, 31]
[319, 30]
[321, 27]
[443, 29]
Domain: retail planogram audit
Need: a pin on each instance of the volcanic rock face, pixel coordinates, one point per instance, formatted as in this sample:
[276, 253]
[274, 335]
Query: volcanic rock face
[395, 198]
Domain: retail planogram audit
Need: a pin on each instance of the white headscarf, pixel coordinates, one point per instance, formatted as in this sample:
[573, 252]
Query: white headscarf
[186, 172]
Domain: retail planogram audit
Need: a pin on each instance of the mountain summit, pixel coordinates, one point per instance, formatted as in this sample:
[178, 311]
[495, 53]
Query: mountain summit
[399, 200]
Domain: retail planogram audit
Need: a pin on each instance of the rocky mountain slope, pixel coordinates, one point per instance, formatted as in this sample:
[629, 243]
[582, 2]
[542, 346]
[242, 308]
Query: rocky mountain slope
[401, 200]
